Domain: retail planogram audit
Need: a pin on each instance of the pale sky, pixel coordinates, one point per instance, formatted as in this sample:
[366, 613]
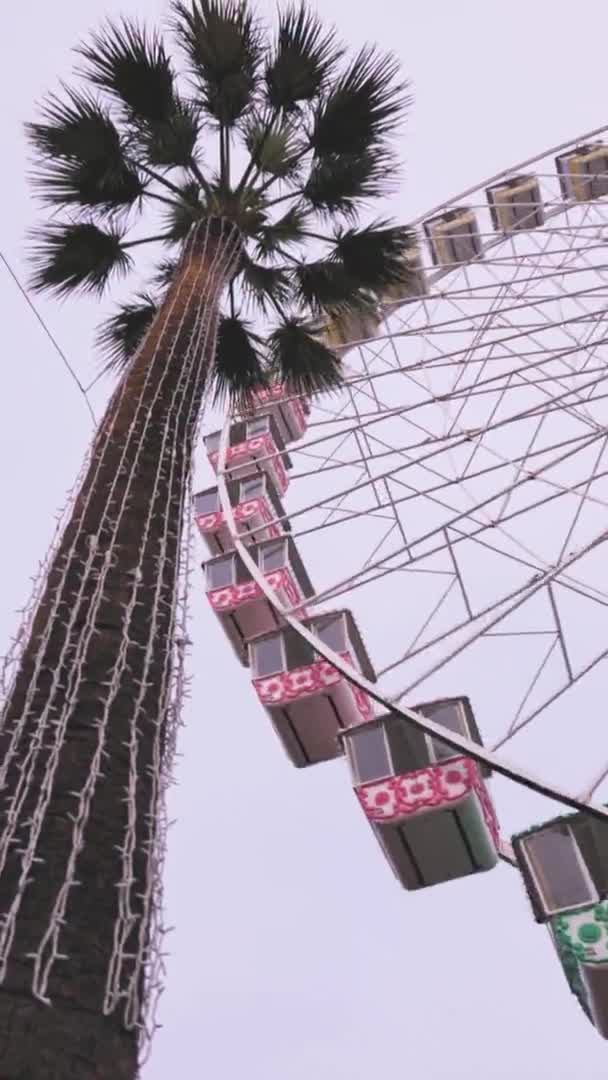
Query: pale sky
[295, 954]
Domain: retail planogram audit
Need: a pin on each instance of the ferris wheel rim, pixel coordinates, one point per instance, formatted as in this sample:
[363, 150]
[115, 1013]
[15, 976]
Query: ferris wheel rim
[507, 172]
[466, 746]
[582, 802]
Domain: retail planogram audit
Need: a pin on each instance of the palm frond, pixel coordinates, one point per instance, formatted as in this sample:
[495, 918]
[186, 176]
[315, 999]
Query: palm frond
[264, 284]
[83, 160]
[304, 57]
[326, 285]
[238, 366]
[374, 256]
[277, 152]
[181, 216]
[276, 237]
[89, 185]
[245, 208]
[120, 334]
[362, 107]
[76, 256]
[224, 47]
[130, 63]
[165, 272]
[338, 182]
[172, 141]
[301, 361]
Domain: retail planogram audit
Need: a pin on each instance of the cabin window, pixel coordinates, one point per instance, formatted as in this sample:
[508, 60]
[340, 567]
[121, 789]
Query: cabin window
[268, 656]
[331, 633]
[369, 755]
[212, 442]
[273, 556]
[243, 573]
[220, 573]
[251, 488]
[561, 876]
[407, 746]
[259, 426]
[450, 716]
[299, 652]
[206, 502]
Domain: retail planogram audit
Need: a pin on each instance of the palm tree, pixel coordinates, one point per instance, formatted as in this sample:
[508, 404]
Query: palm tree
[257, 157]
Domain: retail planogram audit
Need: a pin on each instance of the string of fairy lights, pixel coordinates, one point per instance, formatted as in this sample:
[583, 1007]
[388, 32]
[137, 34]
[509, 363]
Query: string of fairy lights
[131, 971]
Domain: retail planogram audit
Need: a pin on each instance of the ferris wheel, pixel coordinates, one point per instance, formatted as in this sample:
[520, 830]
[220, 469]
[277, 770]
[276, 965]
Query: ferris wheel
[415, 569]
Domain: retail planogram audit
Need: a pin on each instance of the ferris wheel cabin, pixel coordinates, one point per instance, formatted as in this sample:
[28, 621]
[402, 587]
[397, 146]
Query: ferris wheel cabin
[240, 604]
[453, 237]
[428, 806]
[516, 204]
[344, 331]
[306, 698]
[583, 172]
[256, 506]
[289, 412]
[414, 284]
[564, 865]
[254, 445]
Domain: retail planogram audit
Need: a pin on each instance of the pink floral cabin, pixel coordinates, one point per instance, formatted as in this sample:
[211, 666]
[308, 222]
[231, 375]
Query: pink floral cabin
[428, 807]
[289, 412]
[307, 699]
[239, 602]
[254, 445]
[256, 507]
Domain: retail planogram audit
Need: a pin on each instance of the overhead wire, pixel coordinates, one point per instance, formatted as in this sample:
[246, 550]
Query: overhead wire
[49, 334]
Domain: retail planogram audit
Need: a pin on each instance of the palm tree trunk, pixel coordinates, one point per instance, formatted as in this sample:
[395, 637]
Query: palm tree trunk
[83, 731]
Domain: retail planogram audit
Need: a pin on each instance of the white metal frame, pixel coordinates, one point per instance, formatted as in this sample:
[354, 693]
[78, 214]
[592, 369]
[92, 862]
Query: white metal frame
[362, 429]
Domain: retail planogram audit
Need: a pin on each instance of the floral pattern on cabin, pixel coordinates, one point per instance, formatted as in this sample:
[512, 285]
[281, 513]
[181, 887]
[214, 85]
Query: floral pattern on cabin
[305, 681]
[432, 788]
[230, 597]
[242, 513]
[248, 449]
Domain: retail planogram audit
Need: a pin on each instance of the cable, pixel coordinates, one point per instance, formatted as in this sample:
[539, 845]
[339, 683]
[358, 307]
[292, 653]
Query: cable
[48, 333]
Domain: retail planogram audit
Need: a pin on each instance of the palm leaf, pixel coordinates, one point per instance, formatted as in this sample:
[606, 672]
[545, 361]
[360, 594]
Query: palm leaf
[304, 57]
[277, 152]
[274, 238]
[301, 361]
[238, 367]
[361, 108]
[131, 64]
[172, 141]
[165, 272]
[83, 160]
[326, 285]
[337, 182]
[90, 185]
[182, 215]
[76, 256]
[374, 256]
[244, 208]
[223, 44]
[264, 284]
[120, 334]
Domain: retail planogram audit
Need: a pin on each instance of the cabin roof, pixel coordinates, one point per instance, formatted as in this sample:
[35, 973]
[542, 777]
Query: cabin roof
[445, 216]
[420, 707]
[574, 819]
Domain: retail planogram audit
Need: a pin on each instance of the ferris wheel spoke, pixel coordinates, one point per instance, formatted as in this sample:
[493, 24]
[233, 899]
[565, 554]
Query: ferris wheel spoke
[462, 471]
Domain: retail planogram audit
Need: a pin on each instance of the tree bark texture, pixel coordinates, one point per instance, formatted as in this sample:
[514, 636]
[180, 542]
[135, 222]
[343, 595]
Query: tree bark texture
[82, 734]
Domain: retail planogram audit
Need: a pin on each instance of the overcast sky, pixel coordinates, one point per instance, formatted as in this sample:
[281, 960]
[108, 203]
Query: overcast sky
[295, 954]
